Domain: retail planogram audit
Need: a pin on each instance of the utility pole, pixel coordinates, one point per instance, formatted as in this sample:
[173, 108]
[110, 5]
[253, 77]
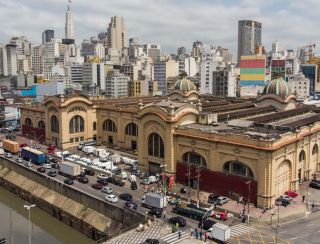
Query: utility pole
[198, 186]
[28, 207]
[249, 184]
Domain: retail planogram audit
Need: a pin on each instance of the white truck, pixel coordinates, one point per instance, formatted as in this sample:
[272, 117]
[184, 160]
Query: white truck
[219, 232]
[88, 149]
[132, 178]
[116, 159]
[69, 169]
[154, 200]
[100, 152]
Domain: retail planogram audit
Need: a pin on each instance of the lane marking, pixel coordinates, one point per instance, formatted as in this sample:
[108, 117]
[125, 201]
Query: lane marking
[282, 232]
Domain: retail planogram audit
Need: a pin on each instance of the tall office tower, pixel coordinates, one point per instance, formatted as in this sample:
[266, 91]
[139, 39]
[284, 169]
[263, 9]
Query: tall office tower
[181, 51]
[37, 60]
[117, 34]
[3, 61]
[50, 56]
[23, 48]
[69, 24]
[249, 36]
[93, 77]
[162, 71]
[197, 50]
[152, 50]
[47, 36]
[12, 59]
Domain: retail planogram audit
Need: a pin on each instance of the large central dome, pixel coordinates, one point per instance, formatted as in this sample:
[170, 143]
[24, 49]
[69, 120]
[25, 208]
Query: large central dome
[184, 85]
[277, 87]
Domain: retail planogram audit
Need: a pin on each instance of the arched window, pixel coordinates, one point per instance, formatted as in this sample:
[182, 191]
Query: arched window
[238, 168]
[76, 124]
[155, 145]
[41, 124]
[194, 158]
[132, 129]
[315, 149]
[109, 125]
[54, 124]
[28, 122]
[302, 156]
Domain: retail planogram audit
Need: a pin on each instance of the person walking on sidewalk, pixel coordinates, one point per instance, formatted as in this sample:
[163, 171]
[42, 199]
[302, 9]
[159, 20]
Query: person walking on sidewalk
[191, 232]
[179, 234]
[196, 233]
[303, 197]
[200, 234]
[205, 236]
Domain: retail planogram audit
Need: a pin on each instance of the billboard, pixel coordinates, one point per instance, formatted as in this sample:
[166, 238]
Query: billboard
[252, 70]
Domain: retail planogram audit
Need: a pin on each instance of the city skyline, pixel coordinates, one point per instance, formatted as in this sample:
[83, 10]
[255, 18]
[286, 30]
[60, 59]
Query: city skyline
[154, 22]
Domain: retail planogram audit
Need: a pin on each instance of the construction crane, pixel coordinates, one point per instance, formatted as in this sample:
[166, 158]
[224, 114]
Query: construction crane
[306, 52]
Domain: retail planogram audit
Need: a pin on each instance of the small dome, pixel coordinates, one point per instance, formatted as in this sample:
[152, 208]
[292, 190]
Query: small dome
[184, 85]
[277, 87]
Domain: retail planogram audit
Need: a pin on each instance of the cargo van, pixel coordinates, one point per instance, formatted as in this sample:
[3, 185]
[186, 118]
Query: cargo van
[132, 178]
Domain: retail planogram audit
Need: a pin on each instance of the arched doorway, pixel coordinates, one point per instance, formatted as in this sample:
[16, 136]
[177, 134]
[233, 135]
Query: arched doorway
[110, 126]
[41, 124]
[283, 178]
[155, 152]
[302, 166]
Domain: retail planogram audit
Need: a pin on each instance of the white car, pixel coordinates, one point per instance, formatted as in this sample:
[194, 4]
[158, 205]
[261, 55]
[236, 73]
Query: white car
[111, 198]
[222, 200]
[9, 155]
[47, 166]
[19, 160]
[102, 177]
[286, 198]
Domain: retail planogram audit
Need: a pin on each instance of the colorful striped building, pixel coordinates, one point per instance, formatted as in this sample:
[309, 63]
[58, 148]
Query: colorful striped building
[252, 70]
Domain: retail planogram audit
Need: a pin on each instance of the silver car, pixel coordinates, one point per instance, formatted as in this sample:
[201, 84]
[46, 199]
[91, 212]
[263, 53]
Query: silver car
[106, 190]
[222, 200]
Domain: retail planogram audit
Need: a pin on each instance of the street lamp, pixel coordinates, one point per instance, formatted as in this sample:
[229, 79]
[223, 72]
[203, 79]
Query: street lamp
[164, 189]
[249, 184]
[28, 207]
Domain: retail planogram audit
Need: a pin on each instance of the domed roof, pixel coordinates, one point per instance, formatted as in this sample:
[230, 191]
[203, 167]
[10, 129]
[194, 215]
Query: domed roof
[184, 85]
[277, 87]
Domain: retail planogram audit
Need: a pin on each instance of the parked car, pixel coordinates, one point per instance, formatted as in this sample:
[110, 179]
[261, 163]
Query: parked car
[9, 155]
[183, 190]
[145, 181]
[144, 175]
[102, 182]
[178, 220]
[97, 186]
[55, 166]
[213, 198]
[155, 212]
[116, 171]
[68, 181]
[41, 169]
[106, 190]
[222, 200]
[89, 172]
[220, 215]
[125, 197]
[291, 194]
[47, 166]
[151, 241]
[23, 145]
[314, 184]
[111, 198]
[131, 205]
[102, 176]
[83, 179]
[136, 173]
[207, 224]
[52, 173]
[133, 186]
[287, 198]
[28, 164]
[19, 160]
[282, 202]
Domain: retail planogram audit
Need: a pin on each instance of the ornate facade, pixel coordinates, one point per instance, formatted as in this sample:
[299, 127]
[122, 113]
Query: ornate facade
[265, 145]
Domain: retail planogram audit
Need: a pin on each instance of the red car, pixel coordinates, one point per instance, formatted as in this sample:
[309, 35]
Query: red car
[23, 145]
[291, 193]
[97, 186]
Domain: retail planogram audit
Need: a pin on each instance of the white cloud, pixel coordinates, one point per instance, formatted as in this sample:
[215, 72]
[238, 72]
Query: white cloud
[171, 23]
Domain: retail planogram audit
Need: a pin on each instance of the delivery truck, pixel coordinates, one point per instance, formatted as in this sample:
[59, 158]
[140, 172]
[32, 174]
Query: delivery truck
[88, 149]
[11, 146]
[219, 232]
[33, 155]
[69, 169]
[154, 200]
[99, 152]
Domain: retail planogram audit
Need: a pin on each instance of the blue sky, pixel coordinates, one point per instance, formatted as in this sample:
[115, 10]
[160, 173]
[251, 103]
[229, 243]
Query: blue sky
[171, 23]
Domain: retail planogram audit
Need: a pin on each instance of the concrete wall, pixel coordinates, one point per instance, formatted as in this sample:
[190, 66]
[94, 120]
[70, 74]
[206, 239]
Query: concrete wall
[124, 216]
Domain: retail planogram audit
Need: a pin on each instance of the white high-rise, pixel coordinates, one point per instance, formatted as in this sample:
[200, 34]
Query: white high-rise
[3, 61]
[12, 61]
[117, 34]
[69, 25]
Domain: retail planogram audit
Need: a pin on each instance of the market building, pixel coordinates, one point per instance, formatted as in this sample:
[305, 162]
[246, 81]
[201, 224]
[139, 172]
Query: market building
[265, 144]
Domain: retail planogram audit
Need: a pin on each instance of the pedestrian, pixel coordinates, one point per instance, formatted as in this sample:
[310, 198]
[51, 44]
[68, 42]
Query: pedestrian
[303, 197]
[196, 233]
[179, 234]
[205, 236]
[200, 234]
[312, 206]
[191, 232]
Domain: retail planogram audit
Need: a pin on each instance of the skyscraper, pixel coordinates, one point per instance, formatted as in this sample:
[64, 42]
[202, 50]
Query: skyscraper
[117, 34]
[249, 36]
[69, 24]
[47, 36]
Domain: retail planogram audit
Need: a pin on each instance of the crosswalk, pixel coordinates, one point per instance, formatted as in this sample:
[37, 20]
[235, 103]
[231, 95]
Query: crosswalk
[174, 237]
[240, 229]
